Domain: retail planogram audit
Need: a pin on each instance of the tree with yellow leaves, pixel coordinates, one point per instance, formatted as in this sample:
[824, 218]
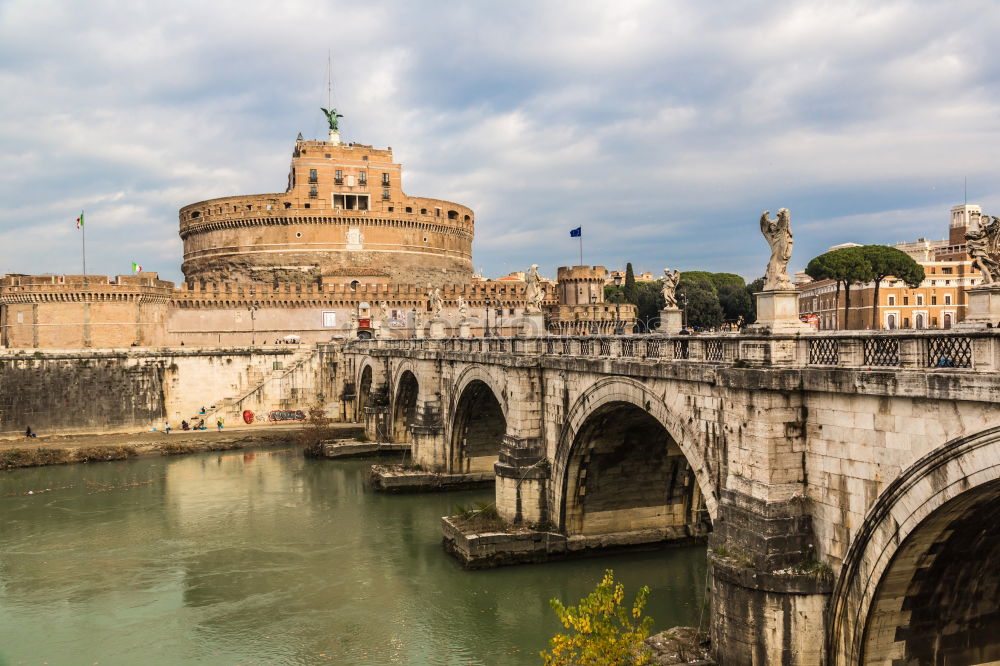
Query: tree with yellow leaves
[607, 633]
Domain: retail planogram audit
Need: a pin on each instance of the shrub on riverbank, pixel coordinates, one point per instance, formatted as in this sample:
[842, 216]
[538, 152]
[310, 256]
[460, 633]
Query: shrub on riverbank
[13, 458]
[606, 632]
[102, 453]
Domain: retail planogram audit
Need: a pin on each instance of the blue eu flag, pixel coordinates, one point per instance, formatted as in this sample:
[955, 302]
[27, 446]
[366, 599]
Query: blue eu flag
[576, 233]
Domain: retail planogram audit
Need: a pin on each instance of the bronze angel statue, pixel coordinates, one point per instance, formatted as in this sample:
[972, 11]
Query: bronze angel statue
[331, 117]
[984, 248]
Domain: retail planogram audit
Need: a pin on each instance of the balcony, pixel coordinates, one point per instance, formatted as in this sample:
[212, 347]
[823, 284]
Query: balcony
[338, 181]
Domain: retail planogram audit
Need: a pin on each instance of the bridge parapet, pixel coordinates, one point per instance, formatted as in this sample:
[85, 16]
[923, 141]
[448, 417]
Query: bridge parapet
[971, 350]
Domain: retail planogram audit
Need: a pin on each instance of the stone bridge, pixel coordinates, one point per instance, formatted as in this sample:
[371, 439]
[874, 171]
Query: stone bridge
[849, 480]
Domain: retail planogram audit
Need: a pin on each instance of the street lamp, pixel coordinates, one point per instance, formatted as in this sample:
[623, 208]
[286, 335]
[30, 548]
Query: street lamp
[252, 307]
[619, 326]
[684, 310]
[499, 319]
[486, 329]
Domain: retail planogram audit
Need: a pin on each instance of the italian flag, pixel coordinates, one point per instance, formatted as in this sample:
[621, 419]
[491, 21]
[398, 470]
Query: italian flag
[136, 267]
[79, 221]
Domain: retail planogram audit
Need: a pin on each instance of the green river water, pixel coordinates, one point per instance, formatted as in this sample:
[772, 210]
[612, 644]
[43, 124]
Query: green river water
[265, 557]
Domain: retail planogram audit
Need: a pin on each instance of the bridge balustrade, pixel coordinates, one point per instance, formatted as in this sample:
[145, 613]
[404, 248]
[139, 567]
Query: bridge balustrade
[955, 350]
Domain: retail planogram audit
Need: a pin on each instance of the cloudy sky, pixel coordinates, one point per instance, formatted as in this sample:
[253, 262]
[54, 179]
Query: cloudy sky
[663, 128]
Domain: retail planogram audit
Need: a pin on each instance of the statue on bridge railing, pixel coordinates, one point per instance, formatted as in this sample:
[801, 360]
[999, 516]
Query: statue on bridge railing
[984, 248]
[434, 299]
[670, 281]
[463, 308]
[779, 236]
[532, 291]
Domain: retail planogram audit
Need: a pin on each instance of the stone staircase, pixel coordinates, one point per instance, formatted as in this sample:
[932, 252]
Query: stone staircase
[230, 408]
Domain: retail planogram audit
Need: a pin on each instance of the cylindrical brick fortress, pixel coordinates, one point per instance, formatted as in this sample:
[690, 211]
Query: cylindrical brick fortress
[343, 218]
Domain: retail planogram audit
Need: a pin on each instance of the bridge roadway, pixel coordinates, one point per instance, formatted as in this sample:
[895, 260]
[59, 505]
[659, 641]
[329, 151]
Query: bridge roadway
[850, 480]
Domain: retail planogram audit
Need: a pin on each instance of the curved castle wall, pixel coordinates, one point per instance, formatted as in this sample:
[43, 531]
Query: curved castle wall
[344, 217]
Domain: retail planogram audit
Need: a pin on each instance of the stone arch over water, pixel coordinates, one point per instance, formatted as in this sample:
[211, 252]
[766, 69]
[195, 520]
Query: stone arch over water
[921, 580]
[478, 428]
[620, 425]
[404, 405]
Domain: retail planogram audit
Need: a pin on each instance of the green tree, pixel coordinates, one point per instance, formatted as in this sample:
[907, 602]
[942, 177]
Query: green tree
[650, 302]
[717, 280]
[736, 302]
[613, 294]
[753, 288]
[885, 261]
[606, 633]
[630, 292]
[701, 303]
[848, 266]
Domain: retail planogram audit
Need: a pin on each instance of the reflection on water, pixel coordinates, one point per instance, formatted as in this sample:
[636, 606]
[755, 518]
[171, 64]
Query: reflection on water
[265, 557]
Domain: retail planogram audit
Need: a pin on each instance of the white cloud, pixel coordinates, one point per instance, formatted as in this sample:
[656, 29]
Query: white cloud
[662, 128]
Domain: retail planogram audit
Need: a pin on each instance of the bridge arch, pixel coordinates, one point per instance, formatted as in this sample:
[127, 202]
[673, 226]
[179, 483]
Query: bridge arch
[618, 414]
[479, 421]
[404, 404]
[496, 381]
[919, 583]
[371, 375]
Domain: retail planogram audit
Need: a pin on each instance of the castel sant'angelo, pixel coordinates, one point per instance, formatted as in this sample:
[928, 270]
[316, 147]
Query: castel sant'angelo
[343, 252]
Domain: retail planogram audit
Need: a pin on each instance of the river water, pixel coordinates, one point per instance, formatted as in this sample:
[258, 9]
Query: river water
[266, 557]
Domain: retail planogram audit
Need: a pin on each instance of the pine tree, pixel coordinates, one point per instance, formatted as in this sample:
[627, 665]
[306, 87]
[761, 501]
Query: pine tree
[631, 292]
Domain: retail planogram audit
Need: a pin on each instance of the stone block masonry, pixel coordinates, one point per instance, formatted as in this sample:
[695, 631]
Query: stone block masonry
[128, 390]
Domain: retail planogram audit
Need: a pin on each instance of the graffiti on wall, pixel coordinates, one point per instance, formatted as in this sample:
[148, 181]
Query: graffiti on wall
[286, 415]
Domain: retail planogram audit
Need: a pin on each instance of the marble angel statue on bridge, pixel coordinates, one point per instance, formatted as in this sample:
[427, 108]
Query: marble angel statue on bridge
[670, 281]
[984, 248]
[778, 234]
[532, 291]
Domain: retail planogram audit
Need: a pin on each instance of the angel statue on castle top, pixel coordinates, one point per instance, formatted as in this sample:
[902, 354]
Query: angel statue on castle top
[331, 117]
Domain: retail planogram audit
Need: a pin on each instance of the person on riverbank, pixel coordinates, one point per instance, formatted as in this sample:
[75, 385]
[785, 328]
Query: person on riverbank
[219, 424]
[28, 433]
[166, 428]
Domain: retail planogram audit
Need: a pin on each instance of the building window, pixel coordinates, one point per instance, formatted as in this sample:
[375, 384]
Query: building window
[313, 192]
[947, 320]
[933, 300]
[385, 195]
[918, 321]
[892, 300]
[947, 299]
[329, 319]
[338, 177]
[906, 300]
[385, 180]
[313, 178]
[920, 299]
[946, 271]
[890, 322]
[906, 322]
[362, 178]
[409, 209]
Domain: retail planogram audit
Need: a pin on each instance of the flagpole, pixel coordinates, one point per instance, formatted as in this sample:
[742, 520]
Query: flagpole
[83, 241]
[581, 247]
